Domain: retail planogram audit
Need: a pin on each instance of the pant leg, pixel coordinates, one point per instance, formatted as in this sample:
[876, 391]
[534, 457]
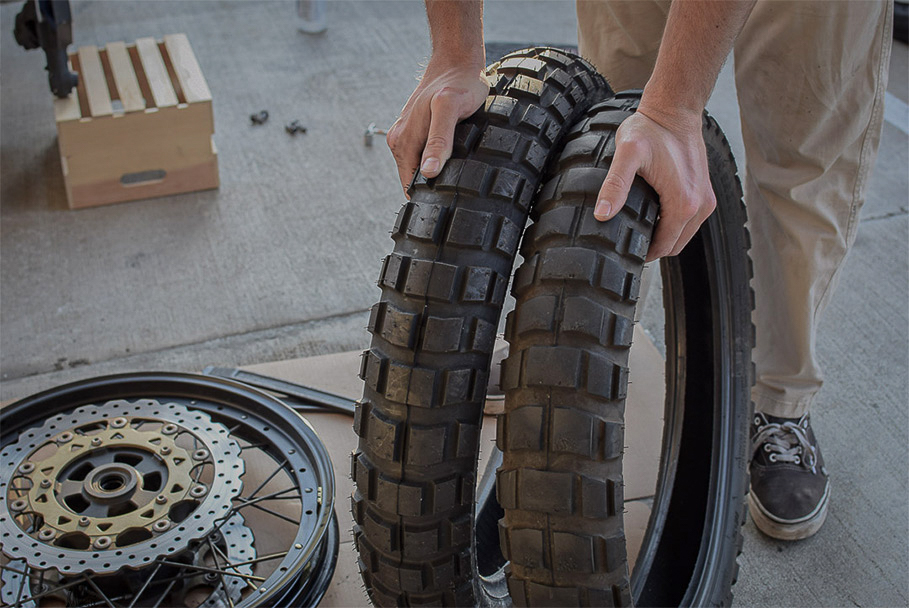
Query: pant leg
[621, 38]
[811, 77]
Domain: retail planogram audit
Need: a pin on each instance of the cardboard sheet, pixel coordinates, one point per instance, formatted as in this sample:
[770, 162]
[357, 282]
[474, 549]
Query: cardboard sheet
[337, 373]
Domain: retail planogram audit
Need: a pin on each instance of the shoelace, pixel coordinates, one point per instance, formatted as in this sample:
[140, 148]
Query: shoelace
[786, 442]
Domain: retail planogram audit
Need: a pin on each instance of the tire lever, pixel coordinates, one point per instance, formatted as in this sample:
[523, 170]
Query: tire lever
[309, 398]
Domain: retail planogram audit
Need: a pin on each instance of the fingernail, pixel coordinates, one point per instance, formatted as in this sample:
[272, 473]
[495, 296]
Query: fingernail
[430, 165]
[602, 210]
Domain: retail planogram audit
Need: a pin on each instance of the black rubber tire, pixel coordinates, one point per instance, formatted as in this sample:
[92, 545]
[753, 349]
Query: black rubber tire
[565, 382]
[434, 329]
[901, 21]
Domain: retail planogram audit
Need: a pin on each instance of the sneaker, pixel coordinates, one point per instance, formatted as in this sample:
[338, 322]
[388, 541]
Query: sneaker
[789, 484]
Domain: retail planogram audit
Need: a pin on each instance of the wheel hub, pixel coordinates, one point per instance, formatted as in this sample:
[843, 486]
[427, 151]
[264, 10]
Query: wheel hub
[111, 483]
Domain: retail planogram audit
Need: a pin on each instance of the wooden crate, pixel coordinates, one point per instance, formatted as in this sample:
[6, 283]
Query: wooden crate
[139, 124]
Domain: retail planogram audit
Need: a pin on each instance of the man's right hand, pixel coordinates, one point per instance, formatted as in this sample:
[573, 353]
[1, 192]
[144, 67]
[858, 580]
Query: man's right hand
[423, 135]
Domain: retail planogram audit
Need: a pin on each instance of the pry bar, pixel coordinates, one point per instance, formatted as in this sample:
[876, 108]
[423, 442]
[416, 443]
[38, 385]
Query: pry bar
[306, 395]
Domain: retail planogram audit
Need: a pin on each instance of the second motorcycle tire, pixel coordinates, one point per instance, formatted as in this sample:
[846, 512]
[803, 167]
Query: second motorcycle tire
[565, 379]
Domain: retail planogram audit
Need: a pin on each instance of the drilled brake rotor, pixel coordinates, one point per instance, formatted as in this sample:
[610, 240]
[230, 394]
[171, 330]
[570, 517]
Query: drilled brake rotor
[233, 541]
[238, 546]
[117, 484]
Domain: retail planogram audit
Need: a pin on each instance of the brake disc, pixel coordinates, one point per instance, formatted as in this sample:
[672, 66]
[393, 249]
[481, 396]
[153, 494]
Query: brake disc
[234, 541]
[206, 589]
[114, 485]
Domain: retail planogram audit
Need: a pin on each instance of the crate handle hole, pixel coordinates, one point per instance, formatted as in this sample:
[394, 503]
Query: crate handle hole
[141, 178]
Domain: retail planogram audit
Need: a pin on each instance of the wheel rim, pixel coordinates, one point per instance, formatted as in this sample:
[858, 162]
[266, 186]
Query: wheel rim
[490, 563]
[288, 481]
[686, 531]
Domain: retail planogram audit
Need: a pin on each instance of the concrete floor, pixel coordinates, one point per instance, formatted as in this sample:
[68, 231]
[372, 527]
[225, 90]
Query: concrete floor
[281, 261]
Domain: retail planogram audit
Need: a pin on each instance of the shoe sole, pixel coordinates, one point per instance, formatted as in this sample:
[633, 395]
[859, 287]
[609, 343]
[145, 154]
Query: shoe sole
[788, 530]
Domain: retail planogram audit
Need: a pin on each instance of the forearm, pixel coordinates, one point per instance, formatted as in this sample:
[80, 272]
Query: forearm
[698, 37]
[456, 31]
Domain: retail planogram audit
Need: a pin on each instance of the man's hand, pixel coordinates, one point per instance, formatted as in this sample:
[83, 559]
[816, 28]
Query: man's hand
[663, 142]
[668, 152]
[423, 135]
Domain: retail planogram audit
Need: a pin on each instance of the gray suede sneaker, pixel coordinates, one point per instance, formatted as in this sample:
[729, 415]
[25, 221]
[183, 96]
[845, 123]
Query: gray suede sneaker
[790, 488]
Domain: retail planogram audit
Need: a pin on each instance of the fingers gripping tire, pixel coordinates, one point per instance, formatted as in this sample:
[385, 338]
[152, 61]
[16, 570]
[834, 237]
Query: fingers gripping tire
[565, 380]
[433, 331]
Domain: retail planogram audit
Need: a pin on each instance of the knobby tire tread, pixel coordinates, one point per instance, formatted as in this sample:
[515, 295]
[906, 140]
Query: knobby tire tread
[433, 331]
[565, 379]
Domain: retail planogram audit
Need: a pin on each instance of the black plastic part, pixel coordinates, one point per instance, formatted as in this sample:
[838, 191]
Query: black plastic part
[304, 397]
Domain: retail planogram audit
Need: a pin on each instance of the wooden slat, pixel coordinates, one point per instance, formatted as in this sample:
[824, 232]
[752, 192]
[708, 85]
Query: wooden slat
[156, 72]
[95, 83]
[125, 77]
[67, 108]
[189, 74]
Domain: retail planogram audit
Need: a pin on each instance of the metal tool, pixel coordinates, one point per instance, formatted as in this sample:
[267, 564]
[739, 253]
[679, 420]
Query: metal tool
[48, 24]
[259, 118]
[299, 397]
[294, 127]
[372, 130]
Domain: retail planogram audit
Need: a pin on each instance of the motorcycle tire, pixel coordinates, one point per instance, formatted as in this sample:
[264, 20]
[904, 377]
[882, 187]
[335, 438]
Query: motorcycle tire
[433, 331]
[560, 484]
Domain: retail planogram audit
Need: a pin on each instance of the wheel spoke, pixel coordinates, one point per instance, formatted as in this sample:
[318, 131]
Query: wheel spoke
[164, 595]
[259, 560]
[195, 567]
[214, 556]
[103, 596]
[273, 496]
[255, 446]
[98, 510]
[229, 564]
[102, 603]
[269, 511]
[145, 584]
[42, 594]
[269, 478]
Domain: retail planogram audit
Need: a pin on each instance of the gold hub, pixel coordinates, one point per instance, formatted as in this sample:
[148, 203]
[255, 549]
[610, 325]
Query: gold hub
[109, 482]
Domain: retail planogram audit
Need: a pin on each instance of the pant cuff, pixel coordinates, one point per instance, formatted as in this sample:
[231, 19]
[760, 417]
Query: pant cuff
[772, 405]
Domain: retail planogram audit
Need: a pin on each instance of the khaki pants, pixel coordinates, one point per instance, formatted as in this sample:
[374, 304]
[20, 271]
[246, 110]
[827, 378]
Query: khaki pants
[811, 77]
